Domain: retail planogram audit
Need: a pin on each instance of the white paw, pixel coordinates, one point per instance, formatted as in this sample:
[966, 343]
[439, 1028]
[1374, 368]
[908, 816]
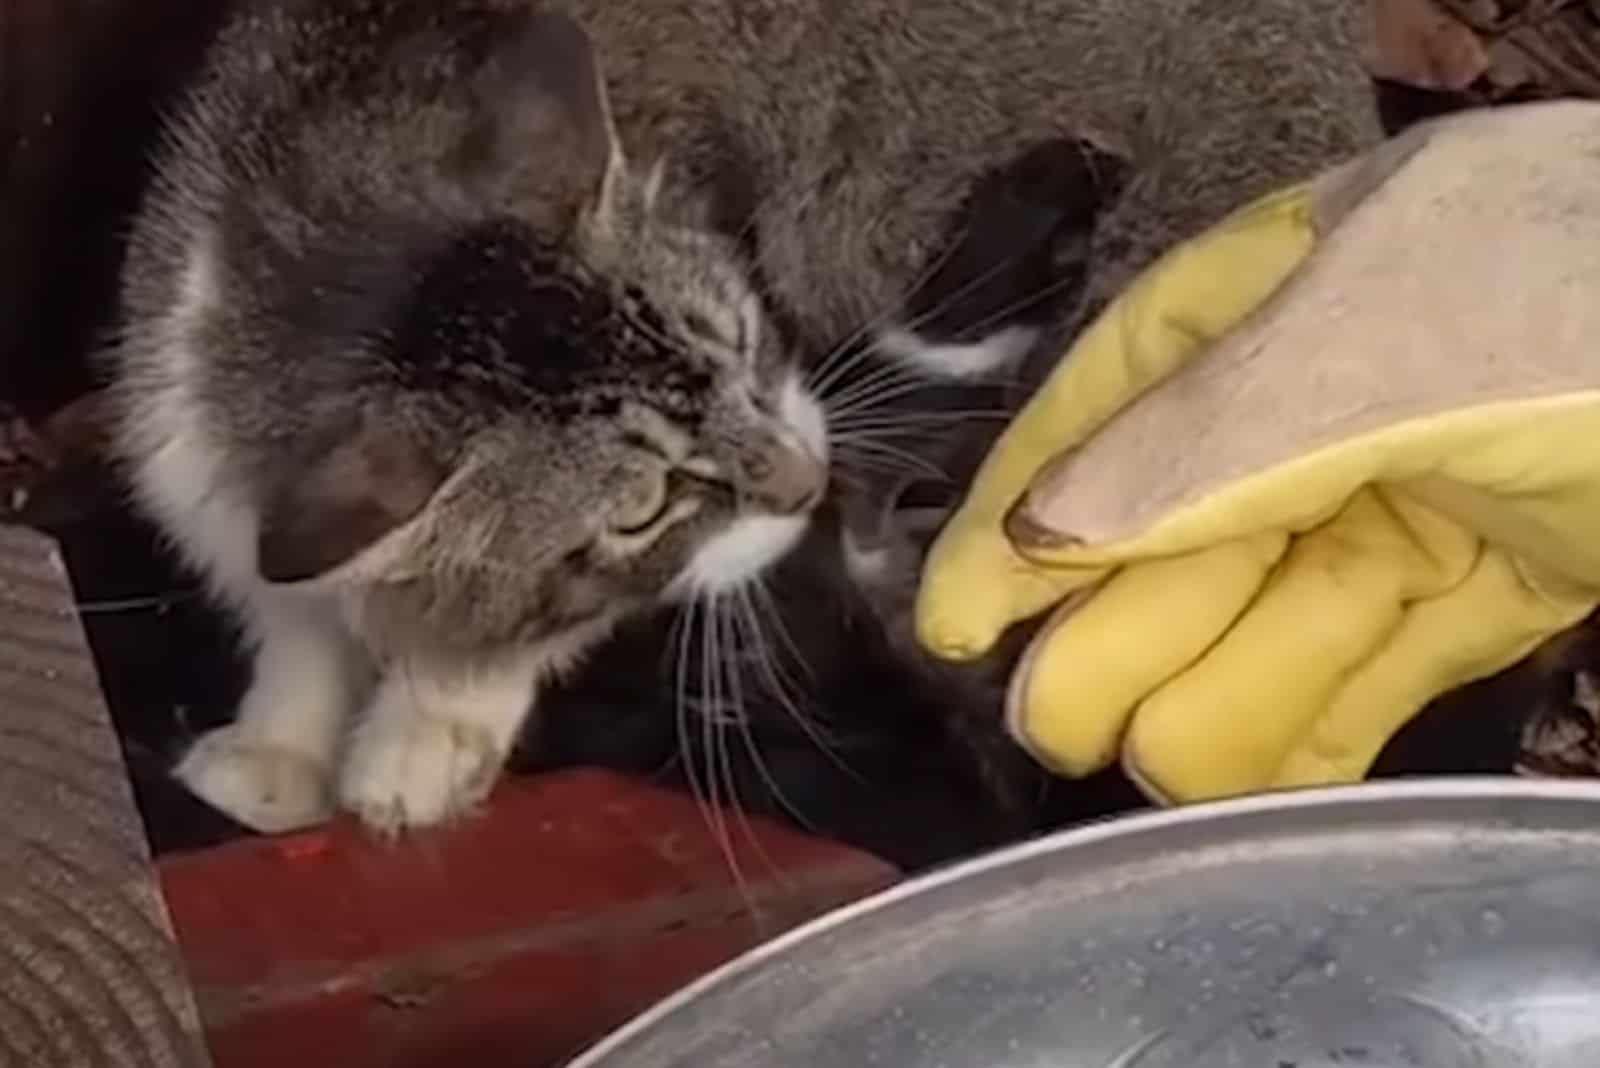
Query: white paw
[265, 787]
[417, 772]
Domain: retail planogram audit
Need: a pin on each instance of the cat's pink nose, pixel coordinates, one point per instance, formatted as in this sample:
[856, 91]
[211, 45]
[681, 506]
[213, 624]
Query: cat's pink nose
[786, 478]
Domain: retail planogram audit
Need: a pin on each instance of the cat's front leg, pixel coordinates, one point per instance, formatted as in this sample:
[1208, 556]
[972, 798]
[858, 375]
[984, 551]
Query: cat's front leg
[271, 769]
[434, 739]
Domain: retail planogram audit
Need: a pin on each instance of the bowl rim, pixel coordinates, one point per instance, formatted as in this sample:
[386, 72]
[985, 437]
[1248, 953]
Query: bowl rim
[1303, 801]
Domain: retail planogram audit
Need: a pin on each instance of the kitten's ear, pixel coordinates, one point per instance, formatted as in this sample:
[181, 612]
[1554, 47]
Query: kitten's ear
[551, 119]
[343, 505]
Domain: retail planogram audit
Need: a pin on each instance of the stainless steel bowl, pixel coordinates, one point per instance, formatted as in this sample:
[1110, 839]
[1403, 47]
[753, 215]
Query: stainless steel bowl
[1440, 924]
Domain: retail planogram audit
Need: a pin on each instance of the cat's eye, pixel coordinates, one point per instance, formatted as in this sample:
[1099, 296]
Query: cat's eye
[637, 517]
[726, 333]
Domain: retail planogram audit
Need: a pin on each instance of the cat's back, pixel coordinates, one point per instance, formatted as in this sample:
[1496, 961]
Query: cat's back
[851, 130]
[848, 130]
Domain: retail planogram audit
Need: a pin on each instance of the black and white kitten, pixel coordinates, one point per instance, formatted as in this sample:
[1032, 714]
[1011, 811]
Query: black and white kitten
[457, 331]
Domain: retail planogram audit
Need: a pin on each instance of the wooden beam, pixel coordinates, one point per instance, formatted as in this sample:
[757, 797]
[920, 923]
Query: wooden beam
[89, 972]
[518, 937]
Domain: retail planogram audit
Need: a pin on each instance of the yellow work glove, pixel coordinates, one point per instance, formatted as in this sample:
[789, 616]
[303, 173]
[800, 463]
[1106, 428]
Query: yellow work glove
[1315, 467]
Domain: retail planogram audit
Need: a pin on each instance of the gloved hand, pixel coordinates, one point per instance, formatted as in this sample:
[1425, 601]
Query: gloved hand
[1326, 461]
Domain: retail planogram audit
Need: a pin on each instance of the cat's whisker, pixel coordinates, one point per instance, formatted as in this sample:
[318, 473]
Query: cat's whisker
[822, 378]
[682, 707]
[883, 367]
[858, 353]
[866, 464]
[740, 722]
[881, 450]
[870, 393]
[159, 601]
[708, 708]
[944, 302]
[789, 694]
[716, 712]
[894, 421]
[852, 341]
[761, 597]
[749, 625]
[1044, 292]
[885, 376]
[705, 696]
[873, 403]
[670, 649]
[815, 732]
[870, 467]
[938, 308]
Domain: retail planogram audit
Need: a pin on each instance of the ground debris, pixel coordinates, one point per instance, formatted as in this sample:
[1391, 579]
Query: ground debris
[45, 466]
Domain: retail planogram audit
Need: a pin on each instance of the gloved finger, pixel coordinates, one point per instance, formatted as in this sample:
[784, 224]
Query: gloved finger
[1489, 622]
[1379, 348]
[974, 583]
[1224, 726]
[1104, 651]
[975, 586]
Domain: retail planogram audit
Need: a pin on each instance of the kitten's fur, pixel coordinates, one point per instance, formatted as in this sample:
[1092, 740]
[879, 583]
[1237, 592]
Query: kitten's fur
[439, 358]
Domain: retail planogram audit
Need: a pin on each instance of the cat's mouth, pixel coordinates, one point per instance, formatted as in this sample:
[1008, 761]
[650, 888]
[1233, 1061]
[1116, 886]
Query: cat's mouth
[774, 508]
[738, 554]
[779, 494]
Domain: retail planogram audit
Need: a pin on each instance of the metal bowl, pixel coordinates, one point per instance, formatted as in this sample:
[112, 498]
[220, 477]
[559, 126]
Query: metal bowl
[1439, 924]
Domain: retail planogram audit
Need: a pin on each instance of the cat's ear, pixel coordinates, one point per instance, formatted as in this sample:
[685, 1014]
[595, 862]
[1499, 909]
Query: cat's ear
[550, 118]
[343, 506]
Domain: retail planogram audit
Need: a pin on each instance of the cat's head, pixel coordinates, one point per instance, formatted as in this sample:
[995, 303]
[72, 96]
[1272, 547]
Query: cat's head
[573, 407]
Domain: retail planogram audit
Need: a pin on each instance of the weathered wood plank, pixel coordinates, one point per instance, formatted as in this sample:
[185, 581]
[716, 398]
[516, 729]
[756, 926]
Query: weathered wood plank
[89, 972]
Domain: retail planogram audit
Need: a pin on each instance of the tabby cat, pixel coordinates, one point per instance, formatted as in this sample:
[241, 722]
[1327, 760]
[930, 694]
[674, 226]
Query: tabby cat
[457, 333]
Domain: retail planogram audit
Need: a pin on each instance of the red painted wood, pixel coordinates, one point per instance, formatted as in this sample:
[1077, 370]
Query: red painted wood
[517, 937]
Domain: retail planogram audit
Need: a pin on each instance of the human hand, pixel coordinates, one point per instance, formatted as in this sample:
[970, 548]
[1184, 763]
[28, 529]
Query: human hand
[1328, 460]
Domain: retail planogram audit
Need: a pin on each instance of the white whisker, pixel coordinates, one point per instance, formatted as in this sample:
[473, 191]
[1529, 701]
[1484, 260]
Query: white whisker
[751, 629]
[822, 376]
[883, 376]
[715, 716]
[691, 612]
[880, 450]
[1042, 293]
[962, 290]
[876, 398]
[890, 421]
[741, 723]
[815, 732]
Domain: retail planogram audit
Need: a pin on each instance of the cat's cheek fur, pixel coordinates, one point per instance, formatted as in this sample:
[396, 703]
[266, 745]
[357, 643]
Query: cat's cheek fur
[800, 410]
[736, 555]
[997, 354]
